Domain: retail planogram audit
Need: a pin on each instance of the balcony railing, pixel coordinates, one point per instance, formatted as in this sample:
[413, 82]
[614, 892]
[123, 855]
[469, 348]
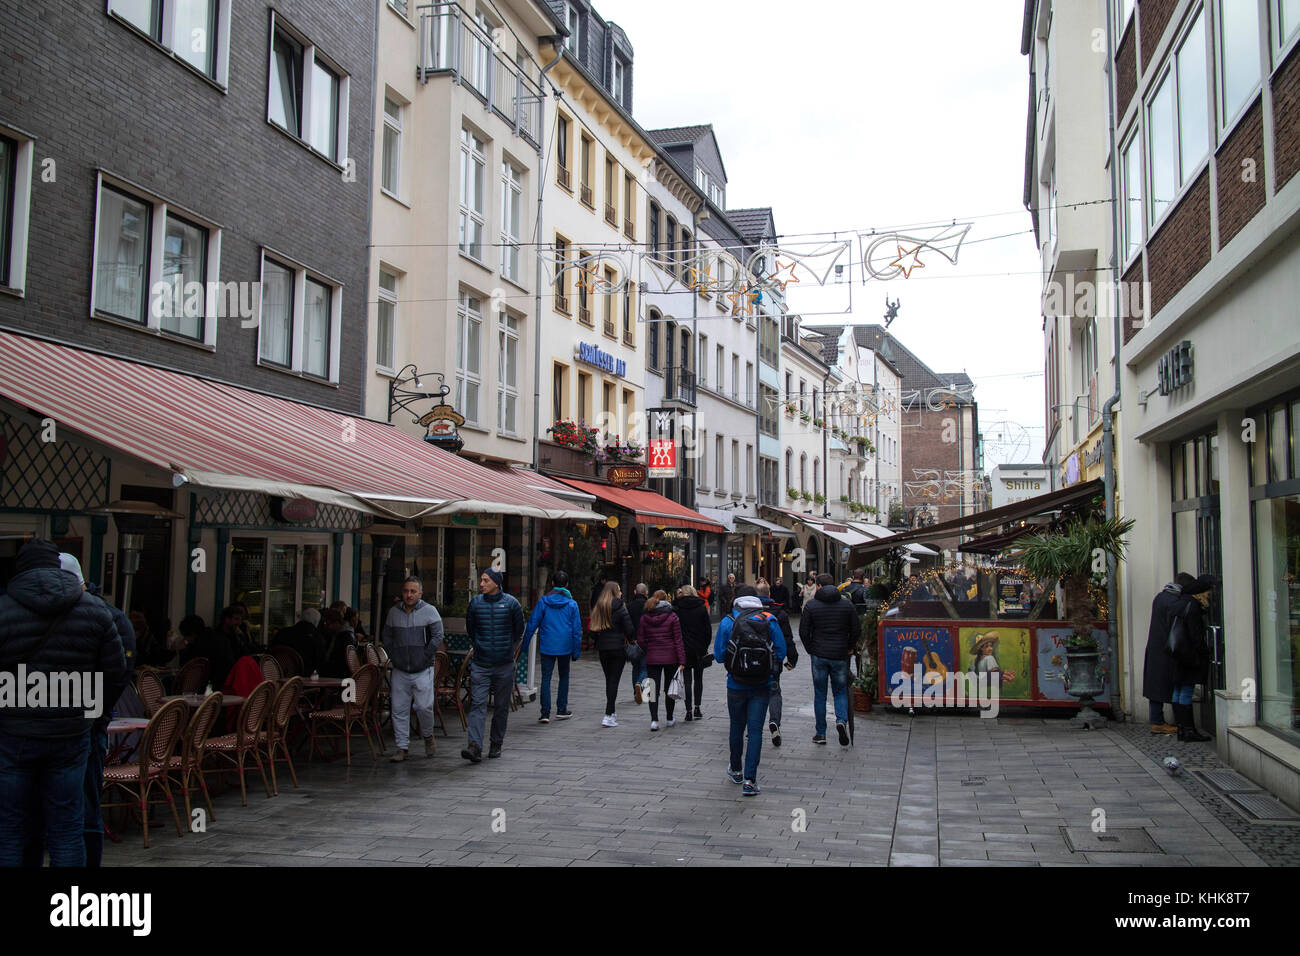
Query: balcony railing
[679, 385]
[588, 198]
[611, 214]
[609, 328]
[451, 44]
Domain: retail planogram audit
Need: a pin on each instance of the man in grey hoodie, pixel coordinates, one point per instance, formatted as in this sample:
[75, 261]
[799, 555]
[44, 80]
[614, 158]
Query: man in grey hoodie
[412, 636]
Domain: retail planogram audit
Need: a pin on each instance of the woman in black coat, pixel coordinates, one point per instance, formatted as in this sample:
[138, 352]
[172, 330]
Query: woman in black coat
[611, 627]
[1165, 679]
[697, 638]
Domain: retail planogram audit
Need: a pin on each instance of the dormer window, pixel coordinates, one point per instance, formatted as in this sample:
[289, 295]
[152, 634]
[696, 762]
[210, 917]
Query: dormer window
[619, 70]
[572, 20]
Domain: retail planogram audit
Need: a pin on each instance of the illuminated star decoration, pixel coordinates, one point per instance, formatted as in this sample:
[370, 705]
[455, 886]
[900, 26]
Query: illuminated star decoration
[751, 295]
[700, 279]
[916, 262]
[774, 278]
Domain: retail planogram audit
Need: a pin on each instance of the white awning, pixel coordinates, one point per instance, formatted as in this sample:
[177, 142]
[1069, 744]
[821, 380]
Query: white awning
[723, 516]
[759, 526]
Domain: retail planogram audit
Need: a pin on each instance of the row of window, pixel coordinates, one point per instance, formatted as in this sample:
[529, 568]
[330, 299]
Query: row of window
[617, 406]
[579, 280]
[473, 205]
[720, 485]
[470, 337]
[1214, 72]
[619, 183]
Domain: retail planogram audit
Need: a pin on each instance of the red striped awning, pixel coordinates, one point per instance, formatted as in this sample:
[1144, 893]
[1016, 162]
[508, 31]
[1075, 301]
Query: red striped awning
[649, 508]
[220, 436]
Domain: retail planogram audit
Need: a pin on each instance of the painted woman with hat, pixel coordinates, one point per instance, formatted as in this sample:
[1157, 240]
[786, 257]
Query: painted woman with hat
[983, 649]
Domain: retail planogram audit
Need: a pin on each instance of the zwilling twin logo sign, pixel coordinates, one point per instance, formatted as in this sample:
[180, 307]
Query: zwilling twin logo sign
[662, 457]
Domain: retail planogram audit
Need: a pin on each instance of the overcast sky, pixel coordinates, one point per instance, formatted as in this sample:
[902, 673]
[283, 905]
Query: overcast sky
[854, 116]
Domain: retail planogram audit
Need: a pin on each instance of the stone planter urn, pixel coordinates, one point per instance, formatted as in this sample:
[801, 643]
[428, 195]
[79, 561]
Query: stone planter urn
[1083, 680]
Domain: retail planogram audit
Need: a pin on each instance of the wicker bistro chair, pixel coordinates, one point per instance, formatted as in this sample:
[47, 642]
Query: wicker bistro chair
[291, 664]
[348, 715]
[283, 709]
[138, 778]
[249, 737]
[383, 703]
[149, 686]
[193, 677]
[271, 669]
[445, 691]
[188, 764]
[354, 660]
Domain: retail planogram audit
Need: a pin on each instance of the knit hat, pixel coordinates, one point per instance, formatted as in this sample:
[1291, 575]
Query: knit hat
[497, 577]
[36, 553]
[69, 563]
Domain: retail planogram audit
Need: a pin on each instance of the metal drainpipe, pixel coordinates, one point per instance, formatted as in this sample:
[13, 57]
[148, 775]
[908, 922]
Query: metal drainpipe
[1107, 429]
[556, 41]
[826, 465]
[875, 387]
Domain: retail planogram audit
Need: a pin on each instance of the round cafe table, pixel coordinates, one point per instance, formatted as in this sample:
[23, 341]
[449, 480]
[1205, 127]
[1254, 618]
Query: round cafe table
[195, 700]
[124, 725]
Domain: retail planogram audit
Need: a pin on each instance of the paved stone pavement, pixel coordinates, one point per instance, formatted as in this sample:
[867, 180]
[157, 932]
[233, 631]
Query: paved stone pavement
[923, 791]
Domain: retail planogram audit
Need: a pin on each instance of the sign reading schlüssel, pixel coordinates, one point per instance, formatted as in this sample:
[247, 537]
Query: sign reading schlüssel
[592, 355]
[662, 457]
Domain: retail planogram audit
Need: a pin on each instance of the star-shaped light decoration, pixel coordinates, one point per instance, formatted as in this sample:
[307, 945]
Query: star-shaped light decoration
[699, 281]
[912, 254]
[744, 299]
[775, 278]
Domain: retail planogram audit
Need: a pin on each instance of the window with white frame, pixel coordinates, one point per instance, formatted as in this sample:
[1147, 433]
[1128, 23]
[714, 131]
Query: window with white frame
[299, 322]
[803, 472]
[1125, 10]
[507, 372]
[703, 447]
[155, 264]
[469, 335]
[512, 219]
[749, 470]
[735, 377]
[718, 455]
[400, 6]
[15, 206]
[721, 357]
[1237, 57]
[619, 70]
[735, 468]
[391, 163]
[701, 178]
[1178, 121]
[716, 194]
[1131, 183]
[473, 173]
[386, 323]
[197, 32]
[1285, 26]
[703, 362]
[749, 384]
[572, 20]
[308, 94]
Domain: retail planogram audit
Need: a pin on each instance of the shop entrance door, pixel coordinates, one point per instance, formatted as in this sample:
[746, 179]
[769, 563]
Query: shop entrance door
[1197, 548]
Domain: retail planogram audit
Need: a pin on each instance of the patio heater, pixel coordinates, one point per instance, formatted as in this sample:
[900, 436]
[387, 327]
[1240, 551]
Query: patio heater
[130, 545]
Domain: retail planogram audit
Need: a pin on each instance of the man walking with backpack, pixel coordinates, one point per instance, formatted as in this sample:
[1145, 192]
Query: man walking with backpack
[749, 641]
[829, 631]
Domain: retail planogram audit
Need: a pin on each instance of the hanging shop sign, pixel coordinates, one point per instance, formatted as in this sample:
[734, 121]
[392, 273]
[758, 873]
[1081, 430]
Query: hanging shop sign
[594, 355]
[626, 476]
[293, 510]
[1175, 368]
[662, 455]
[442, 424]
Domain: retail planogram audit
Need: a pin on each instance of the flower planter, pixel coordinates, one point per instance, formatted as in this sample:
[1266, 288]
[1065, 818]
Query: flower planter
[861, 701]
[1083, 680]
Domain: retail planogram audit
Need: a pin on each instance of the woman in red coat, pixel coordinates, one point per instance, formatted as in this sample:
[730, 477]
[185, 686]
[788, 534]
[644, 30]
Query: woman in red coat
[660, 635]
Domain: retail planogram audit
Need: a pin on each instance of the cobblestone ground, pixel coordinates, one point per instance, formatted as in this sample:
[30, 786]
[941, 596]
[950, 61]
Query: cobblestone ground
[928, 790]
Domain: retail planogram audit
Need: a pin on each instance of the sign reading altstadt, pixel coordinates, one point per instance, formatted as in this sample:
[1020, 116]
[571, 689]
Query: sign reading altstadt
[626, 476]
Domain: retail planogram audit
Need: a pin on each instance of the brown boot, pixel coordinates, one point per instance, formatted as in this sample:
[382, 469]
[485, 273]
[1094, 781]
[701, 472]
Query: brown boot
[636, 692]
[398, 757]
[429, 748]
[1163, 729]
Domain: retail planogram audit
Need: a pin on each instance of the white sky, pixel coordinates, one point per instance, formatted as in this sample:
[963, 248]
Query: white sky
[852, 116]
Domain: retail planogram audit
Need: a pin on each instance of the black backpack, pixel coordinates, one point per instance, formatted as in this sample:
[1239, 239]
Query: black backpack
[751, 658]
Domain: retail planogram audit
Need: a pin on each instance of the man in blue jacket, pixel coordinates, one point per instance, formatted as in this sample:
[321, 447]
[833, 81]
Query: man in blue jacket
[495, 625]
[747, 702]
[558, 623]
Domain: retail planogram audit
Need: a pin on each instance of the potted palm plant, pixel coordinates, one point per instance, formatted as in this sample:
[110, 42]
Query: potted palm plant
[1074, 556]
[864, 687]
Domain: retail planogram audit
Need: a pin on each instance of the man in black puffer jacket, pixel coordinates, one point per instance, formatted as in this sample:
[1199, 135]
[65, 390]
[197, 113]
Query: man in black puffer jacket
[49, 624]
[495, 625]
[791, 659]
[829, 631]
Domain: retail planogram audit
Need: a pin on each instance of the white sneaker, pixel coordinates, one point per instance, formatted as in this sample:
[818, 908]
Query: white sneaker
[609, 721]
[654, 725]
[671, 721]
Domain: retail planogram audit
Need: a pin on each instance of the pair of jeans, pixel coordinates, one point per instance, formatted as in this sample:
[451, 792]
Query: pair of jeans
[747, 708]
[41, 787]
[612, 663]
[1155, 712]
[1183, 694]
[499, 679]
[548, 668]
[661, 674]
[693, 682]
[639, 672]
[838, 672]
[93, 785]
[412, 690]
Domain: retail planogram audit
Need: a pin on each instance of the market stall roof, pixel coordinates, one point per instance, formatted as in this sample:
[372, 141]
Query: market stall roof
[649, 508]
[219, 436]
[839, 531]
[761, 526]
[879, 531]
[986, 520]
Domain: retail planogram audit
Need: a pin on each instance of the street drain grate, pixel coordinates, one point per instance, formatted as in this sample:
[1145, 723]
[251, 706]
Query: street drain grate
[974, 781]
[1262, 808]
[1247, 798]
[1227, 781]
[1119, 840]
